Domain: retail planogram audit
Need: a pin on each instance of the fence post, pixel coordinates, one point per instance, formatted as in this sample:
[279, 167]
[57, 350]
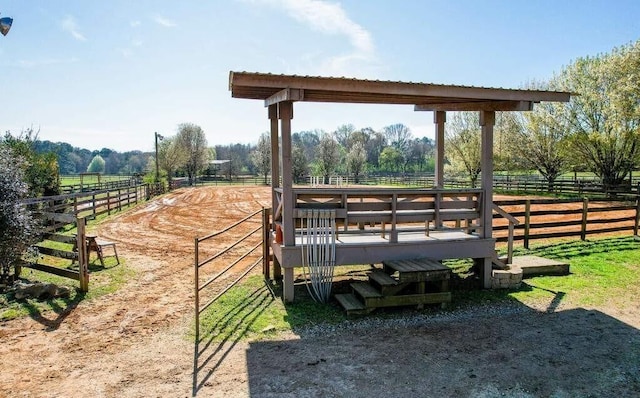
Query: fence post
[93, 207]
[585, 211]
[108, 203]
[83, 258]
[527, 222]
[637, 220]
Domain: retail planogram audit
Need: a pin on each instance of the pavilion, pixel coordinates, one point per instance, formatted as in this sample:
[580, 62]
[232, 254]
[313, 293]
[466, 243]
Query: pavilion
[384, 206]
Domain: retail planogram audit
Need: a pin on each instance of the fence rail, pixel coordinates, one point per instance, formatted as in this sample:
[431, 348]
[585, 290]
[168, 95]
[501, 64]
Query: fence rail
[542, 219]
[256, 238]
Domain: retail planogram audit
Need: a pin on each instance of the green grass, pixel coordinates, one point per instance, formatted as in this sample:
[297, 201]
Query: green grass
[102, 281]
[603, 272]
[75, 179]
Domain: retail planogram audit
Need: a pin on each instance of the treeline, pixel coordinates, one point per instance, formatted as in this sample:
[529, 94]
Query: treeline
[347, 150]
[74, 160]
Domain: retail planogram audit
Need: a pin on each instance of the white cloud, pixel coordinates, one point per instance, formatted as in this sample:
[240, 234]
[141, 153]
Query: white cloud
[331, 19]
[134, 24]
[69, 25]
[162, 21]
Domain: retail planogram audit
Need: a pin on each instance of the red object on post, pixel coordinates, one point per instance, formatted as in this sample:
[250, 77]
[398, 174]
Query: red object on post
[278, 234]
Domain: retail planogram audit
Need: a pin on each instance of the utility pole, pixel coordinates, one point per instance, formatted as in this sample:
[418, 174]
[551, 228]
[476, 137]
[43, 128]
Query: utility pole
[158, 137]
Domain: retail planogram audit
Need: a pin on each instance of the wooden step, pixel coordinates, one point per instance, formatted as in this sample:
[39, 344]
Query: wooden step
[351, 304]
[388, 285]
[365, 290]
[418, 270]
[382, 278]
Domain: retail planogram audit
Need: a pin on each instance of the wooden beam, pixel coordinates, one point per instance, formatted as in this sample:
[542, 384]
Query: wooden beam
[287, 94]
[477, 106]
[285, 113]
[275, 156]
[487, 121]
[439, 118]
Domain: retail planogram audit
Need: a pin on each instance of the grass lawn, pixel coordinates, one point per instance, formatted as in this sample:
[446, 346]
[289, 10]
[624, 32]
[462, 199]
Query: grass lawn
[604, 272]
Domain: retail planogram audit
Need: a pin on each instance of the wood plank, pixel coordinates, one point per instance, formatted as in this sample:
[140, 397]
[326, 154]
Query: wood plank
[350, 303]
[67, 273]
[70, 239]
[57, 253]
[365, 290]
[382, 278]
[60, 217]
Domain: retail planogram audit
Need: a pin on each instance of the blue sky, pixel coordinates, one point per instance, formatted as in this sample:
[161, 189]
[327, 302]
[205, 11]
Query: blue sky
[109, 73]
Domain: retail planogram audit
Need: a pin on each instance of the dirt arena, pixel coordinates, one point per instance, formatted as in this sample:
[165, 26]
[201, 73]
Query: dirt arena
[134, 342]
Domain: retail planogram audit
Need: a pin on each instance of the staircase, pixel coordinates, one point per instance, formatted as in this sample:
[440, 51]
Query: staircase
[399, 283]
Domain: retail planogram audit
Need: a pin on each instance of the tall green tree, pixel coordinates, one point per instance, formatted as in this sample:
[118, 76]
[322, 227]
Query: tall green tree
[193, 142]
[97, 165]
[299, 163]
[605, 116]
[40, 169]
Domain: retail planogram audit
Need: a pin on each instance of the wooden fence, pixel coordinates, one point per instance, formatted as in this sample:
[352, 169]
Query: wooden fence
[95, 203]
[67, 248]
[101, 186]
[560, 218]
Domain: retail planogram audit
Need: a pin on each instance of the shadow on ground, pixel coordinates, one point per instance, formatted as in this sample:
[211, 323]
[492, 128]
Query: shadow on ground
[527, 353]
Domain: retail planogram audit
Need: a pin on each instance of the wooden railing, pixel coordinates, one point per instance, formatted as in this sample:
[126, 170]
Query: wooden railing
[511, 226]
[401, 209]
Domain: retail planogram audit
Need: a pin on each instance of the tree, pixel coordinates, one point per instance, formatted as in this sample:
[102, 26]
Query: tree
[463, 138]
[171, 156]
[605, 117]
[343, 134]
[328, 156]
[97, 165]
[374, 146]
[17, 227]
[541, 142]
[299, 163]
[193, 142]
[390, 159]
[356, 160]
[40, 169]
[261, 156]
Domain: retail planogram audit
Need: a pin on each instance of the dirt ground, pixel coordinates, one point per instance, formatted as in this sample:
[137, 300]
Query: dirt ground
[134, 342]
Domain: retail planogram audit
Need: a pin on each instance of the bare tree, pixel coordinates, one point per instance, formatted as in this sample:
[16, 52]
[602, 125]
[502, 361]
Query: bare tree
[261, 156]
[343, 134]
[192, 140]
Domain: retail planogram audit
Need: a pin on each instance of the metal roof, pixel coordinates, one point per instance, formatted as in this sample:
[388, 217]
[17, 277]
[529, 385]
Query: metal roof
[274, 88]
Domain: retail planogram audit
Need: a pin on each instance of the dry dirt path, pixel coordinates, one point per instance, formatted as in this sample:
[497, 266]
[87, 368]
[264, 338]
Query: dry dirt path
[133, 343]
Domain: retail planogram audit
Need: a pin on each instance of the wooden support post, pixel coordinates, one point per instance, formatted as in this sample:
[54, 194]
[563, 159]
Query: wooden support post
[527, 222]
[266, 238]
[439, 118]
[285, 113]
[585, 212]
[83, 255]
[487, 120]
[275, 156]
[108, 203]
[287, 285]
